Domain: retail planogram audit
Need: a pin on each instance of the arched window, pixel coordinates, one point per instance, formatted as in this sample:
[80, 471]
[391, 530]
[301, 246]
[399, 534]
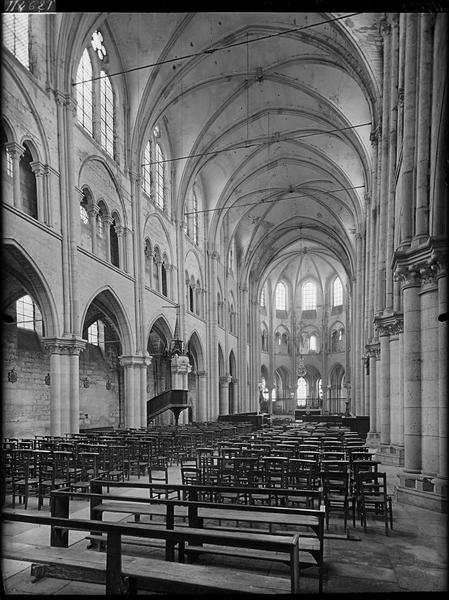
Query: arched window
[146, 169]
[113, 237]
[164, 278]
[159, 177]
[191, 303]
[301, 392]
[313, 346]
[84, 216]
[281, 296]
[156, 260]
[262, 297]
[95, 95]
[84, 93]
[28, 184]
[8, 168]
[309, 296]
[264, 339]
[106, 114]
[16, 36]
[337, 292]
[148, 262]
[198, 297]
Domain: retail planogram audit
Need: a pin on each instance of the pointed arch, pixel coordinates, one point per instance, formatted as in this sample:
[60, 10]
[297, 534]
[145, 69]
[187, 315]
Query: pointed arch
[21, 273]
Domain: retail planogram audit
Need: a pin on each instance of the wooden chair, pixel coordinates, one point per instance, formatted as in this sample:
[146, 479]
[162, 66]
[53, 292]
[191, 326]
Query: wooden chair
[24, 476]
[337, 496]
[53, 473]
[372, 498]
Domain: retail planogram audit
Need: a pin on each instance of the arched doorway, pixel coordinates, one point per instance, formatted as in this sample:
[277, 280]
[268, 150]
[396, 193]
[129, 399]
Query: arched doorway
[102, 391]
[197, 411]
[159, 372]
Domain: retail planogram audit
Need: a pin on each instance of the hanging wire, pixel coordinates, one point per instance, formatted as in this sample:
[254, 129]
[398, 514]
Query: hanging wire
[220, 48]
[268, 201]
[276, 138]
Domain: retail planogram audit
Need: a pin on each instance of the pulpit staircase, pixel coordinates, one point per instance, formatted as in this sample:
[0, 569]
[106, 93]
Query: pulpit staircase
[174, 400]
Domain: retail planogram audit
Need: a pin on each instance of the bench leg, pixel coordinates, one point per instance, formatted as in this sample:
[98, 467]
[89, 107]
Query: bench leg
[37, 572]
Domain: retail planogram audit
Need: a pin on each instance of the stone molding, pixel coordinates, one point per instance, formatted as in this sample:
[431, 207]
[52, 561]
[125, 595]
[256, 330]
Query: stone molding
[224, 380]
[134, 360]
[64, 346]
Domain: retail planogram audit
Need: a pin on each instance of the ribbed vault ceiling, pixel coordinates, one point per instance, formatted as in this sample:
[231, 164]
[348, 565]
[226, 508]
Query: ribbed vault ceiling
[276, 130]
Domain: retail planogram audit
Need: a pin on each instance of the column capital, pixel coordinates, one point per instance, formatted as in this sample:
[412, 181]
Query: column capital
[66, 346]
[225, 380]
[60, 97]
[38, 168]
[373, 350]
[384, 27]
[107, 219]
[119, 230]
[93, 209]
[389, 325]
[134, 360]
[201, 373]
[14, 149]
[215, 255]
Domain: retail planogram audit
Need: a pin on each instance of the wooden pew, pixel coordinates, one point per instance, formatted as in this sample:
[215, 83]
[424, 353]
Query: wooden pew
[122, 574]
[309, 523]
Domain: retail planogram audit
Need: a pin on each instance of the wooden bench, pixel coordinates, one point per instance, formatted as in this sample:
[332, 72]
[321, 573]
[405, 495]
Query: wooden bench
[122, 574]
[309, 523]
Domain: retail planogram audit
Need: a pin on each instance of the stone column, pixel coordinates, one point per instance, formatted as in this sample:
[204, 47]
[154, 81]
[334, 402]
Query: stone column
[396, 395]
[423, 123]
[119, 230]
[49, 173]
[373, 351]
[241, 398]
[385, 30]
[224, 394]
[357, 371]
[107, 222]
[442, 380]
[15, 151]
[38, 170]
[392, 140]
[64, 387]
[412, 369]
[134, 389]
[383, 410]
[64, 199]
[408, 158]
[212, 354]
[201, 413]
[429, 371]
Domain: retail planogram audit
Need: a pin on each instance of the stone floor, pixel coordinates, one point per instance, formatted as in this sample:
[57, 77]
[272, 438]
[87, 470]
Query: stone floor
[413, 558]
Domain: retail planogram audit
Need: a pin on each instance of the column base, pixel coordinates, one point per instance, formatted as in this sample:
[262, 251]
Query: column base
[390, 454]
[372, 439]
[423, 491]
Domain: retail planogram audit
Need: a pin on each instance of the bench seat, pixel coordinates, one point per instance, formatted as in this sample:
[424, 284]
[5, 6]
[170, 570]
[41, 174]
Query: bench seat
[143, 573]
